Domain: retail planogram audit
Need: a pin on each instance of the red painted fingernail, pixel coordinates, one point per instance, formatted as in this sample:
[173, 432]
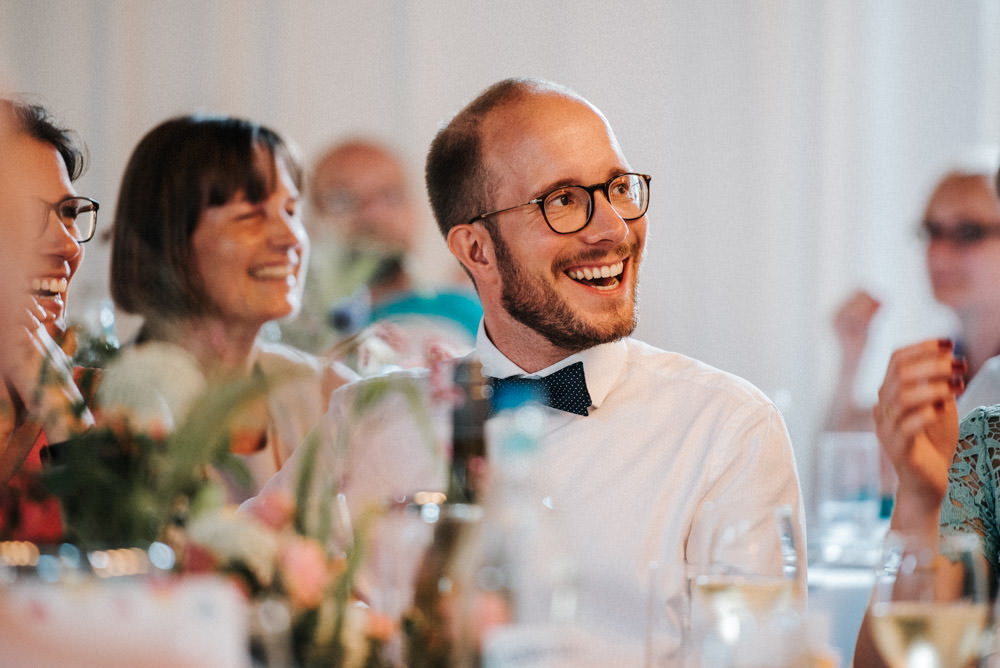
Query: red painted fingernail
[945, 344]
[959, 365]
[957, 383]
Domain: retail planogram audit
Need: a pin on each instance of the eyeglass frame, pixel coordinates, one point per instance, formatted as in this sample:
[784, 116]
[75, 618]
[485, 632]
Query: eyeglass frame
[49, 206]
[931, 231]
[603, 187]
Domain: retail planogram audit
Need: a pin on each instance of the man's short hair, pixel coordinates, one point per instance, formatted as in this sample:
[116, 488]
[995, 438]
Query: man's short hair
[180, 168]
[35, 121]
[459, 184]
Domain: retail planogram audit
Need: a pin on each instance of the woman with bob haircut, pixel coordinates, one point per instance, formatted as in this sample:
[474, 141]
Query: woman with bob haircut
[208, 246]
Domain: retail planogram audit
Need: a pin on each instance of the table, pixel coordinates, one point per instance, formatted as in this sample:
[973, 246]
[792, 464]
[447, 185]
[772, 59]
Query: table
[838, 597]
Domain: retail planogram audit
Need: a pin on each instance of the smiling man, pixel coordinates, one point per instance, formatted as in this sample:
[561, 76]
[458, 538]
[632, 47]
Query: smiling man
[538, 202]
[656, 453]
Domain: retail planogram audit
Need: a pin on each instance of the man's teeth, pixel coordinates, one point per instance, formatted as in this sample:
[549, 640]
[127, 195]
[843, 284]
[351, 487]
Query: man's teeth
[275, 271]
[57, 285]
[603, 271]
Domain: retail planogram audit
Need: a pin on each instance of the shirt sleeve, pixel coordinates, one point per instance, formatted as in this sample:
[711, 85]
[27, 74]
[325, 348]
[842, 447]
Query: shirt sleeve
[755, 486]
[970, 502]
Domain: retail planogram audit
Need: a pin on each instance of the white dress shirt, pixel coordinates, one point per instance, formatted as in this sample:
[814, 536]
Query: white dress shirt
[671, 451]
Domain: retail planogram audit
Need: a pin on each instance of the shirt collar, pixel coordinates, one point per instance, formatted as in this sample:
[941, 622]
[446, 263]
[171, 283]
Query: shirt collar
[602, 364]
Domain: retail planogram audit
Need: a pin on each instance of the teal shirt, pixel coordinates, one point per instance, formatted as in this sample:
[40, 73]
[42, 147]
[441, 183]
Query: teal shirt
[462, 308]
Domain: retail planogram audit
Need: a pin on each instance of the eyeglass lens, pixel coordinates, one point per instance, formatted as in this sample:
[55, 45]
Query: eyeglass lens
[569, 209]
[78, 215]
[965, 233]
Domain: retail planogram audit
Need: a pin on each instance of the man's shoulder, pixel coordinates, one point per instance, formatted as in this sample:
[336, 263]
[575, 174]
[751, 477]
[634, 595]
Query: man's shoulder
[664, 368]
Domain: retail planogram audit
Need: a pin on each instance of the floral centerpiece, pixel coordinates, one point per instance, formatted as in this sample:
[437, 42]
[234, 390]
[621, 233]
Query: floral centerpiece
[146, 473]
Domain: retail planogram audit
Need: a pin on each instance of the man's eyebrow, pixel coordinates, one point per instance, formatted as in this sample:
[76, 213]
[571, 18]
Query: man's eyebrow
[562, 183]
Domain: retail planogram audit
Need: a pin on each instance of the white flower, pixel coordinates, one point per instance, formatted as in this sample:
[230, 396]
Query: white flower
[151, 385]
[233, 536]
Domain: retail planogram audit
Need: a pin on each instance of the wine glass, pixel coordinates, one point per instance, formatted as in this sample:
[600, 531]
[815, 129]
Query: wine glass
[930, 604]
[396, 537]
[747, 599]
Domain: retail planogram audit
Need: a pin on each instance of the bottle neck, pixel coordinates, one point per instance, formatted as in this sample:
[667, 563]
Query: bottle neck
[466, 474]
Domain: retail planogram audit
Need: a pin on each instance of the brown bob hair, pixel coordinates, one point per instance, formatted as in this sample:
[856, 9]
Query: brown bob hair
[180, 168]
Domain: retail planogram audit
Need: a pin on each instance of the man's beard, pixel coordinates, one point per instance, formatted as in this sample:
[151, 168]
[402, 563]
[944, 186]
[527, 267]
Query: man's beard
[537, 305]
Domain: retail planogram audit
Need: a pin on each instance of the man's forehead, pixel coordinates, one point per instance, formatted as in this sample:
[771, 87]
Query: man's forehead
[546, 134]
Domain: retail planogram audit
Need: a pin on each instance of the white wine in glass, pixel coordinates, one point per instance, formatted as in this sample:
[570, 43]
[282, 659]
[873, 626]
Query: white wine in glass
[747, 599]
[930, 605]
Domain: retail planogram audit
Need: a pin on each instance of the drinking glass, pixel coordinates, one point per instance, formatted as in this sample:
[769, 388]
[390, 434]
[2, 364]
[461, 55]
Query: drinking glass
[747, 601]
[930, 604]
[848, 498]
[397, 537]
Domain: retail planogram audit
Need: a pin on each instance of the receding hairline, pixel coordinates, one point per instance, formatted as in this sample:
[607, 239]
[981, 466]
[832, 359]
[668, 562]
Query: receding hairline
[510, 94]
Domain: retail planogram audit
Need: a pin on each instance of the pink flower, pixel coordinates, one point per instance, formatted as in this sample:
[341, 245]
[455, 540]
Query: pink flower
[304, 571]
[380, 627]
[274, 509]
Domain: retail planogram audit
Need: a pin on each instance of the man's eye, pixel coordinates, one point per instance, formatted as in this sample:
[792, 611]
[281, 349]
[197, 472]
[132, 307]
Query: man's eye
[68, 212]
[563, 199]
[339, 202]
[559, 199]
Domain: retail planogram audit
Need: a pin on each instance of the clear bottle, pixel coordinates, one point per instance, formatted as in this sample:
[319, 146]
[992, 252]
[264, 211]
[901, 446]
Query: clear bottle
[513, 578]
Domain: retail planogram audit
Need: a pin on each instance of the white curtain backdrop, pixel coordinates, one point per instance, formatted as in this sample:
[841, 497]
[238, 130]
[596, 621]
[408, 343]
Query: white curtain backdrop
[792, 142]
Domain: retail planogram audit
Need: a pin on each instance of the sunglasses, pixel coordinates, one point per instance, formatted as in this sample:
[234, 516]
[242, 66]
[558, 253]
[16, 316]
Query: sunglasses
[963, 234]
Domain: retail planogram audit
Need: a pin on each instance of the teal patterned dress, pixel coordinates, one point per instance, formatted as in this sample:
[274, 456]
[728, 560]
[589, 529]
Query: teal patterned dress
[970, 506]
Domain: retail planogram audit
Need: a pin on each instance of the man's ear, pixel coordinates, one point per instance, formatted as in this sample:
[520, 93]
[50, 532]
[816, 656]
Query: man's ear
[473, 247]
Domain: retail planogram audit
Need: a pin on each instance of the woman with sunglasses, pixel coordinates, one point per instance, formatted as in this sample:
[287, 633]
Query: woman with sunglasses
[961, 227]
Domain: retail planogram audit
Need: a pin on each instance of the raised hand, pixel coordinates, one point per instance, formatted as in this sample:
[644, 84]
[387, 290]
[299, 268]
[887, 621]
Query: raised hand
[917, 425]
[40, 372]
[851, 324]
[852, 321]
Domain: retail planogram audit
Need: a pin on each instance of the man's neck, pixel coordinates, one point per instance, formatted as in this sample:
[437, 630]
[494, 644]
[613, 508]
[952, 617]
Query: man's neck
[524, 346]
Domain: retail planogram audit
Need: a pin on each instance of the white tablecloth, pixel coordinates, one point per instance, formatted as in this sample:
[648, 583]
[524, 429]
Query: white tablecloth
[841, 594]
[189, 622]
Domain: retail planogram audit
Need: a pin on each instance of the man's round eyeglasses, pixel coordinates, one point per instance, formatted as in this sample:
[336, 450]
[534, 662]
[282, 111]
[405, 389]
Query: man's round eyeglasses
[965, 233]
[568, 209]
[77, 214]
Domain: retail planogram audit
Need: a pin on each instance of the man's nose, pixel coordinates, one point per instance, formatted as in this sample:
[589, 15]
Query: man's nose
[605, 223]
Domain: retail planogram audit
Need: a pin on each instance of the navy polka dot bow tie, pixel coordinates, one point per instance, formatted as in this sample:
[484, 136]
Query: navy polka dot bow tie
[565, 389]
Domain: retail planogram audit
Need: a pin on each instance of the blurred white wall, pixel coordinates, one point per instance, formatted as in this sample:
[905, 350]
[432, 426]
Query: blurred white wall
[792, 142]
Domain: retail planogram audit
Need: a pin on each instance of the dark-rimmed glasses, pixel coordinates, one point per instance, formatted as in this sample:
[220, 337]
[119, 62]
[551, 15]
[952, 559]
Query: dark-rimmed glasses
[964, 234]
[568, 209]
[77, 214]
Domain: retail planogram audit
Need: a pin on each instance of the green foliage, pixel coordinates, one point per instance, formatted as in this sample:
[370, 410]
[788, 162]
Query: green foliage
[119, 486]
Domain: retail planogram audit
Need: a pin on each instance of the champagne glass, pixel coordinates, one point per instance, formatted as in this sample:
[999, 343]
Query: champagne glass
[748, 599]
[930, 605]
